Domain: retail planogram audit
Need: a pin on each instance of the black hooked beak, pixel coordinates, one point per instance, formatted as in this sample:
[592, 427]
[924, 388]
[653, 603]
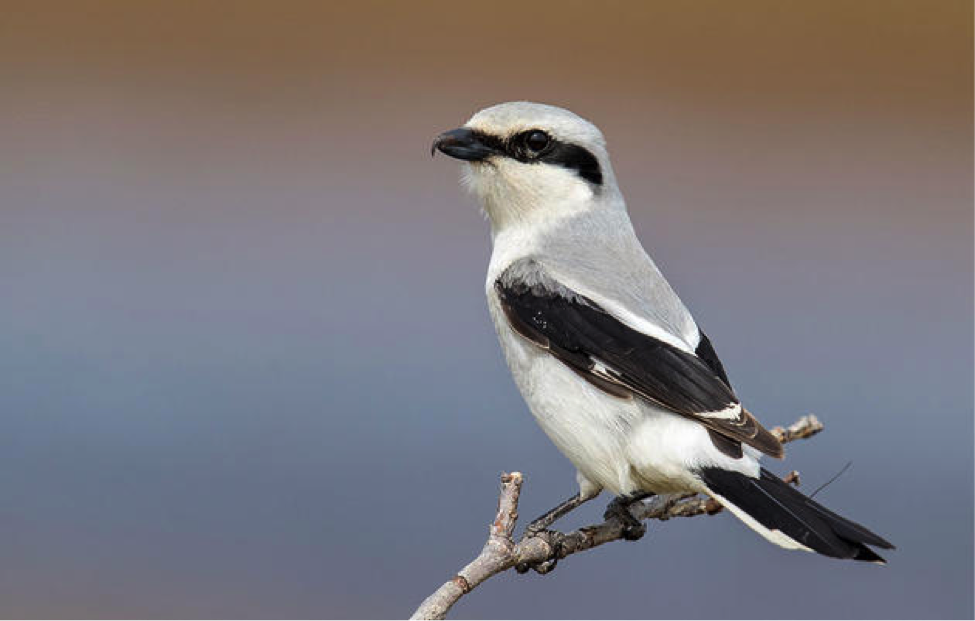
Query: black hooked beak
[462, 143]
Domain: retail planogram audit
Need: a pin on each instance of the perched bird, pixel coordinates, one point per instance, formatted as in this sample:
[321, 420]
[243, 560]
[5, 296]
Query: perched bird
[610, 362]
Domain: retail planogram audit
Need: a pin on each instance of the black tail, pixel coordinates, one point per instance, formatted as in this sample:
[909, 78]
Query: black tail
[790, 519]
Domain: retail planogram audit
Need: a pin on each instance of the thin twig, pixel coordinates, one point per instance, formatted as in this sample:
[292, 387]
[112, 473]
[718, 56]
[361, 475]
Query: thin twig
[501, 552]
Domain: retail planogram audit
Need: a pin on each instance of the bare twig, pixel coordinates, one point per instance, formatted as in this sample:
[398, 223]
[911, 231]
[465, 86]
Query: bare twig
[805, 427]
[501, 552]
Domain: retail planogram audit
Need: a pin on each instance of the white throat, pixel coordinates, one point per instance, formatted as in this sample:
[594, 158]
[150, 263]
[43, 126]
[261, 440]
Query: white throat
[515, 195]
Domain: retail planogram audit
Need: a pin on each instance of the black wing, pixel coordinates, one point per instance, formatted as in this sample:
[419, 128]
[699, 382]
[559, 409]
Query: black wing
[623, 361]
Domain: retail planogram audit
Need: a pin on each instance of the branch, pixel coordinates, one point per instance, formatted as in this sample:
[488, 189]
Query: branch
[805, 427]
[501, 553]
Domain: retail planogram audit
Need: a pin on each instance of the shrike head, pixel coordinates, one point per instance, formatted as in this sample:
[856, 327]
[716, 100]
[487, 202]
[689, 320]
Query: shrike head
[530, 162]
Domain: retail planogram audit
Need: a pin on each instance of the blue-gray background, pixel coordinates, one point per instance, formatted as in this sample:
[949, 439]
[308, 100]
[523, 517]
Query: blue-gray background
[246, 368]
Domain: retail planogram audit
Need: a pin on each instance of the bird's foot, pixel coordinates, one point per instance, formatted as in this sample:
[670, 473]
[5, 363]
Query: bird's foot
[554, 540]
[619, 509]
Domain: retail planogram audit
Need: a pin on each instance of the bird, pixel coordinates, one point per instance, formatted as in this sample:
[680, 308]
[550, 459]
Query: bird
[610, 362]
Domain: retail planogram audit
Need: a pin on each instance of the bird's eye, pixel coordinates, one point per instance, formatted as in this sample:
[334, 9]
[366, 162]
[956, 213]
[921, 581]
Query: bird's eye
[536, 140]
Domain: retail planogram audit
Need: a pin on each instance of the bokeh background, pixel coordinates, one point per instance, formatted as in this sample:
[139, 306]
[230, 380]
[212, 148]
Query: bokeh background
[246, 368]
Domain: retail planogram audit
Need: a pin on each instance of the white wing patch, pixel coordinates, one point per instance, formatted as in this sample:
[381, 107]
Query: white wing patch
[733, 411]
[599, 368]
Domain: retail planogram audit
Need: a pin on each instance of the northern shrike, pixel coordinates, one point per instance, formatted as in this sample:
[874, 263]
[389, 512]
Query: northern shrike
[610, 362]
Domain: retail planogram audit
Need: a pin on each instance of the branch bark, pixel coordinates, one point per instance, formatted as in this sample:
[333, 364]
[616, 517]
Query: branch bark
[501, 552]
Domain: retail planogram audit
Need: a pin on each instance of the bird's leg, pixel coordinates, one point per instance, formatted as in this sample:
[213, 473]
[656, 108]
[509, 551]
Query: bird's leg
[539, 528]
[619, 508]
[548, 518]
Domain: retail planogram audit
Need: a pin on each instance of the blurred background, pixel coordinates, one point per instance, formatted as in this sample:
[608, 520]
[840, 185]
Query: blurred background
[246, 367]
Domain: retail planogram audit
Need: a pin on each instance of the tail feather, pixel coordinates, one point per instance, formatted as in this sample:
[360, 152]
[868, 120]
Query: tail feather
[786, 517]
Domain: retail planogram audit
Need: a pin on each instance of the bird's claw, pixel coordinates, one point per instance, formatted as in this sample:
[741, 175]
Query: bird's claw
[632, 528]
[634, 532]
[554, 540]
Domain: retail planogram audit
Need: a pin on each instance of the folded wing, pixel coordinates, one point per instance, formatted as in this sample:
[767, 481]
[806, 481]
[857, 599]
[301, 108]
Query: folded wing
[625, 362]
